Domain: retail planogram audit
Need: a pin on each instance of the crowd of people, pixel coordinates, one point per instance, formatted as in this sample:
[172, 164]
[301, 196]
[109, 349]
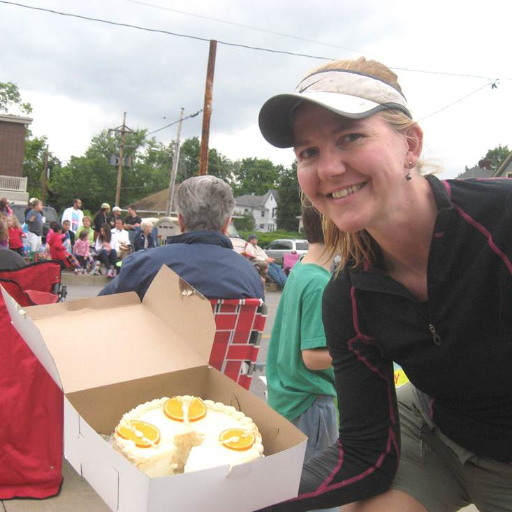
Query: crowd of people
[85, 245]
[80, 243]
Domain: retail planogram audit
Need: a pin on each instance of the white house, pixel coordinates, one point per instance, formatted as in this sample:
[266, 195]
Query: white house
[263, 209]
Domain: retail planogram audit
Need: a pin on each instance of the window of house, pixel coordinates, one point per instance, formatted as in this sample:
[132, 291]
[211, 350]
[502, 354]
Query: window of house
[274, 212]
[263, 213]
[246, 210]
[262, 226]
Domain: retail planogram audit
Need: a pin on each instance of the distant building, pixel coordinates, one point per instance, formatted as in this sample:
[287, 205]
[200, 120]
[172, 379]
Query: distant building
[262, 208]
[12, 155]
[476, 172]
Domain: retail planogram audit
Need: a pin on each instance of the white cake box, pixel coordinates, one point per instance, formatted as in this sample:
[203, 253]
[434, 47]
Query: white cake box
[109, 354]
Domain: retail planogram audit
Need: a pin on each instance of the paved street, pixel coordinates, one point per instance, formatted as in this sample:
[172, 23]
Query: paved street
[76, 494]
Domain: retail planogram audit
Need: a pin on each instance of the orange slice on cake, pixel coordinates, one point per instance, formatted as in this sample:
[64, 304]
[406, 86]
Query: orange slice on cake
[237, 439]
[143, 434]
[176, 409]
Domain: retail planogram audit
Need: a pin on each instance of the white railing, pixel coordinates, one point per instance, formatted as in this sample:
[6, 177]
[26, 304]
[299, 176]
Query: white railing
[13, 183]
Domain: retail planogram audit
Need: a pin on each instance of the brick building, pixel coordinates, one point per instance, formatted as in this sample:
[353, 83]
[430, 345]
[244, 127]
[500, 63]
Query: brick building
[13, 185]
[12, 144]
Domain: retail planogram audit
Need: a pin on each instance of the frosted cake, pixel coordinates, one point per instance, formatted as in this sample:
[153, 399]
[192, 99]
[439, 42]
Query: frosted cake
[175, 435]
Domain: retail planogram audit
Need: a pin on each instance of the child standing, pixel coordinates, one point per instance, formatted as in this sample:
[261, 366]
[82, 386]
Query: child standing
[16, 234]
[82, 250]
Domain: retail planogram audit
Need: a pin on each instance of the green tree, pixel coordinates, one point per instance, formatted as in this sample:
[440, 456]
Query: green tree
[94, 180]
[245, 223]
[494, 158]
[289, 205]
[10, 97]
[255, 176]
[190, 153]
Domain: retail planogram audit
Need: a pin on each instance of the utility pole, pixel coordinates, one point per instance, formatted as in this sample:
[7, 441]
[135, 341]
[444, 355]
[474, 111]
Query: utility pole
[120, 166]
[207, 110]
[44, 175]
[170, 200]
[123, 130]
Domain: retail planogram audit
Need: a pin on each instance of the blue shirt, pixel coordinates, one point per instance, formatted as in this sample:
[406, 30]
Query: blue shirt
[205, 259]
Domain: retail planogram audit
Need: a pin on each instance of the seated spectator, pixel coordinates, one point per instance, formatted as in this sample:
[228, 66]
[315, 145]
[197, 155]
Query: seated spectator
[144, 239]
[59, 252]
[81, 249]
[132, 223]
[16, 234]
[69, 239]
[86, 224]
[121, 239]
[106, 253]
[203, 255]
[9, 260]
[254, 252]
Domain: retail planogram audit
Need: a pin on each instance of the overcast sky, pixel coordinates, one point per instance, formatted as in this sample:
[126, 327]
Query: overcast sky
[80, 76]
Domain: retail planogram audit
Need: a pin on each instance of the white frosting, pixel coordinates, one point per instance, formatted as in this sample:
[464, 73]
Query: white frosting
[187, 446]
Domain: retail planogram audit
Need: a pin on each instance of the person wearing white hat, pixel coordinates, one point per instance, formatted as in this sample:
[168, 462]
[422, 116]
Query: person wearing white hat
[116, 214]
[425, 280]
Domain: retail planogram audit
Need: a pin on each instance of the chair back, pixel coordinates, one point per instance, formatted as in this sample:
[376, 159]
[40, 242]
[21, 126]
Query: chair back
[239, 326]
[37, 283]
[289, 260]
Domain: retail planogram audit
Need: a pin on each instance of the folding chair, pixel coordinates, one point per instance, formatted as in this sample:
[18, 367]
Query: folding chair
[31, 404]
[240, 324]
[289, 260]
[37, 283]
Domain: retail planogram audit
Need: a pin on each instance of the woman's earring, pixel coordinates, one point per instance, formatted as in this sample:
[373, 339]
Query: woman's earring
[409, 177]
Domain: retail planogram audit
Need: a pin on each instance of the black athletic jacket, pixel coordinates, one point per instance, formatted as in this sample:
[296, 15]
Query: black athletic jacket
[456, 348]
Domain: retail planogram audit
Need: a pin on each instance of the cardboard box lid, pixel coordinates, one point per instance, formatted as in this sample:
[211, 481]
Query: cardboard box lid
[94, 342]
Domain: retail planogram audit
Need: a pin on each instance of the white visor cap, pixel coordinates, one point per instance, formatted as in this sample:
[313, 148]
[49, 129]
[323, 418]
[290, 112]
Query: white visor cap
[344, 92]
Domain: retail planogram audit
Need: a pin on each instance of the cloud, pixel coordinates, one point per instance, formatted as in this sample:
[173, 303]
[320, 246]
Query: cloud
[84, 75]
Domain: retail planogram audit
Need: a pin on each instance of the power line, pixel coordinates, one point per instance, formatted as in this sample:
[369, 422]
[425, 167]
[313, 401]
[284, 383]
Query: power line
[241, 25]
[174, 122]
[225, 43]
[127, 25]
[494, 85]
[159, 31]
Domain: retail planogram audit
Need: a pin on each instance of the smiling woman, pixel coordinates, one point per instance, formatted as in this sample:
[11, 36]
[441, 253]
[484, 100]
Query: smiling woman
[424, 266]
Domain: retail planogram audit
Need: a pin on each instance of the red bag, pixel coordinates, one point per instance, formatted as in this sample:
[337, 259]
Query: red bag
[31, 420]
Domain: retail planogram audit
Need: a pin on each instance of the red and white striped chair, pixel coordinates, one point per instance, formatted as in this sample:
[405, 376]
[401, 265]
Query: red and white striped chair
[239, 326]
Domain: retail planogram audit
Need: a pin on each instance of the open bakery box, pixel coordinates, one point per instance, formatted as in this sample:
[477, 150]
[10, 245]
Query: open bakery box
[110, 354]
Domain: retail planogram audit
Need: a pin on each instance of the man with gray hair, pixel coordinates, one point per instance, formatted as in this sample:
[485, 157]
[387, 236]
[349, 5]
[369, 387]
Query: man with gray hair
[202, 255]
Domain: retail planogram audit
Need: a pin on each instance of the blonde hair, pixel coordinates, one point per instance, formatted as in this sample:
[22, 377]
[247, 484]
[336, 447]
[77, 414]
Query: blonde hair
[15, 221]
[356, 248]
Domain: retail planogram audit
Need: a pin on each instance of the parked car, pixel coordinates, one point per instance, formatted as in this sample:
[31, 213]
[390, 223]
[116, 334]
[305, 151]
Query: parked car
[237, 241]
[277, 248]
[49, 214]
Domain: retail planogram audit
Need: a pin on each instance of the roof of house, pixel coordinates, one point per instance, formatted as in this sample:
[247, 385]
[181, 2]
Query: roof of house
[8, 118]
[156, 202]
[476, 172]
[255, 201]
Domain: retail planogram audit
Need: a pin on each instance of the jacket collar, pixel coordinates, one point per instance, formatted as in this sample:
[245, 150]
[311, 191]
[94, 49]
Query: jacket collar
[202, 237]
